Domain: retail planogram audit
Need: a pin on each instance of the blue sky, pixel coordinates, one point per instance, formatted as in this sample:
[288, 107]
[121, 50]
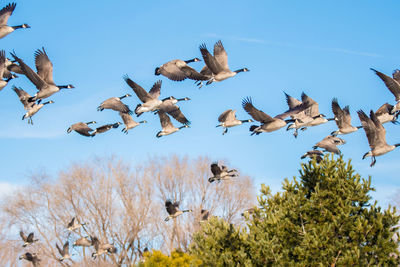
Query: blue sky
[322, 48]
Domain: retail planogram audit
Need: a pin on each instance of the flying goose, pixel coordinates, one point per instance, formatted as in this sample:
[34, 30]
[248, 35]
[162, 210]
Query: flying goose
[74, 224]
[310, 117]
[150, 99]
[43, 79]
[221, 173]
[178, 70]
[115, 103]
[376, 136]
[393, 84]
[5, 13]
[268, 124]
[31, 107]
[28, 240]
[3, 83]
[173, 210]
[105, 128]
[384, 114]
[218, 64]
[342, 119]
[313, 154]
[32, 257]
[330, 144]
[228, 119]
[64, 252]
[248, 212]
[83, 242]
[81, 128]
[166, 124]
[129, 122]
[169, 106]
[102, 248]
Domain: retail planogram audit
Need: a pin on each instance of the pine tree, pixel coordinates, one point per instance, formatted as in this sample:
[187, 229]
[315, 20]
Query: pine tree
[324, 218]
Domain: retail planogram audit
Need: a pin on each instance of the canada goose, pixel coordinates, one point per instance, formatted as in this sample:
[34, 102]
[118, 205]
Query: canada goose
[330, 144]
[105, 128]
[102, 248]
[204, 215]
[178, 70]
[43, 79]
[5, 13]
[221, 173]
[393, 84]
[31, 107]
[28, 240]
[169, 106]
[129, 122]
[81, 128]
[3, 83]
[83, 242]
[74, 224]
[32, 257]
[384, 114]
[310, 116]
[115, 103]
[166, 124]
[64, 252]
[268, 124]
[173, 210]
[228, 119]
[342, 119]
[150, 99]
[218, 64]
[376, 136]
[314, 154]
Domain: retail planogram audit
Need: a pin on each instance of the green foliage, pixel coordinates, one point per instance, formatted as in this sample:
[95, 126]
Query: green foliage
[177, 259]
[219, 243]
[324, 218]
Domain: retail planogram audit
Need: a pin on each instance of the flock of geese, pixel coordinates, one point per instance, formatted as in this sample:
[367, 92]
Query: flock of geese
[300, 114]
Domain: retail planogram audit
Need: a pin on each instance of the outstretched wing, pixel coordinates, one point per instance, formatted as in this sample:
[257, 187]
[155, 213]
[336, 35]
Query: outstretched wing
[44, 66]
[6, 12]
[139, 91]
[220, 55]
[392, 84]
[215, 169]
[256, 114]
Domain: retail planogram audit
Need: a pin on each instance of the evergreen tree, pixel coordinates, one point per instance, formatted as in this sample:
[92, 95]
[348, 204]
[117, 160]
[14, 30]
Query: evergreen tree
[177, 259]
[324, 218]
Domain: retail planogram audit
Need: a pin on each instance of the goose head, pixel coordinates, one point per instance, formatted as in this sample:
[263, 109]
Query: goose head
[25, 26]
[184, 99]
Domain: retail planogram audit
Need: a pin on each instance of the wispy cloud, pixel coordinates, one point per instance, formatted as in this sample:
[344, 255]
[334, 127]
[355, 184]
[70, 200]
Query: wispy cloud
[291, 45]
[7, 188]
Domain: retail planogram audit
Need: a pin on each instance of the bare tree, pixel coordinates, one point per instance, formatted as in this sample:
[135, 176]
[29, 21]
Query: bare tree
[120, 205]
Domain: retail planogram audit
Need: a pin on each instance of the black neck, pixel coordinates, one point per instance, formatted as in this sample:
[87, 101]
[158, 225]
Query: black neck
[396, 145]
[190, 60]
[245, 120]
[241, 70]
[48, 102]
[9, 79]
[18, 27]
[123, 96]
[62, 86]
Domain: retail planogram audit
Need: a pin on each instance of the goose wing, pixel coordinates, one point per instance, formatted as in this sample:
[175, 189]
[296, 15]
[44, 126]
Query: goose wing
[23, 236]
[164, 119]
[177, 114]
[126, 118]
[44, 66]
[59, 250]
[369, 128]
[220, 55]
[6, 12]
[339, 114]
[83, 129]
[210, 61]
[2, 63]
[139, 91]
[66, 248]
[292, 102]
[384, 109]
[392, 84]
[256, 114]
[30, 237]
[223, 117]
[380, 136]
[104, 128]
[30, 74]
[312, 109]
[116, 104]
[155, 90]
[205, 71]
[172, 72]
[215, 169]
[23, 97]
